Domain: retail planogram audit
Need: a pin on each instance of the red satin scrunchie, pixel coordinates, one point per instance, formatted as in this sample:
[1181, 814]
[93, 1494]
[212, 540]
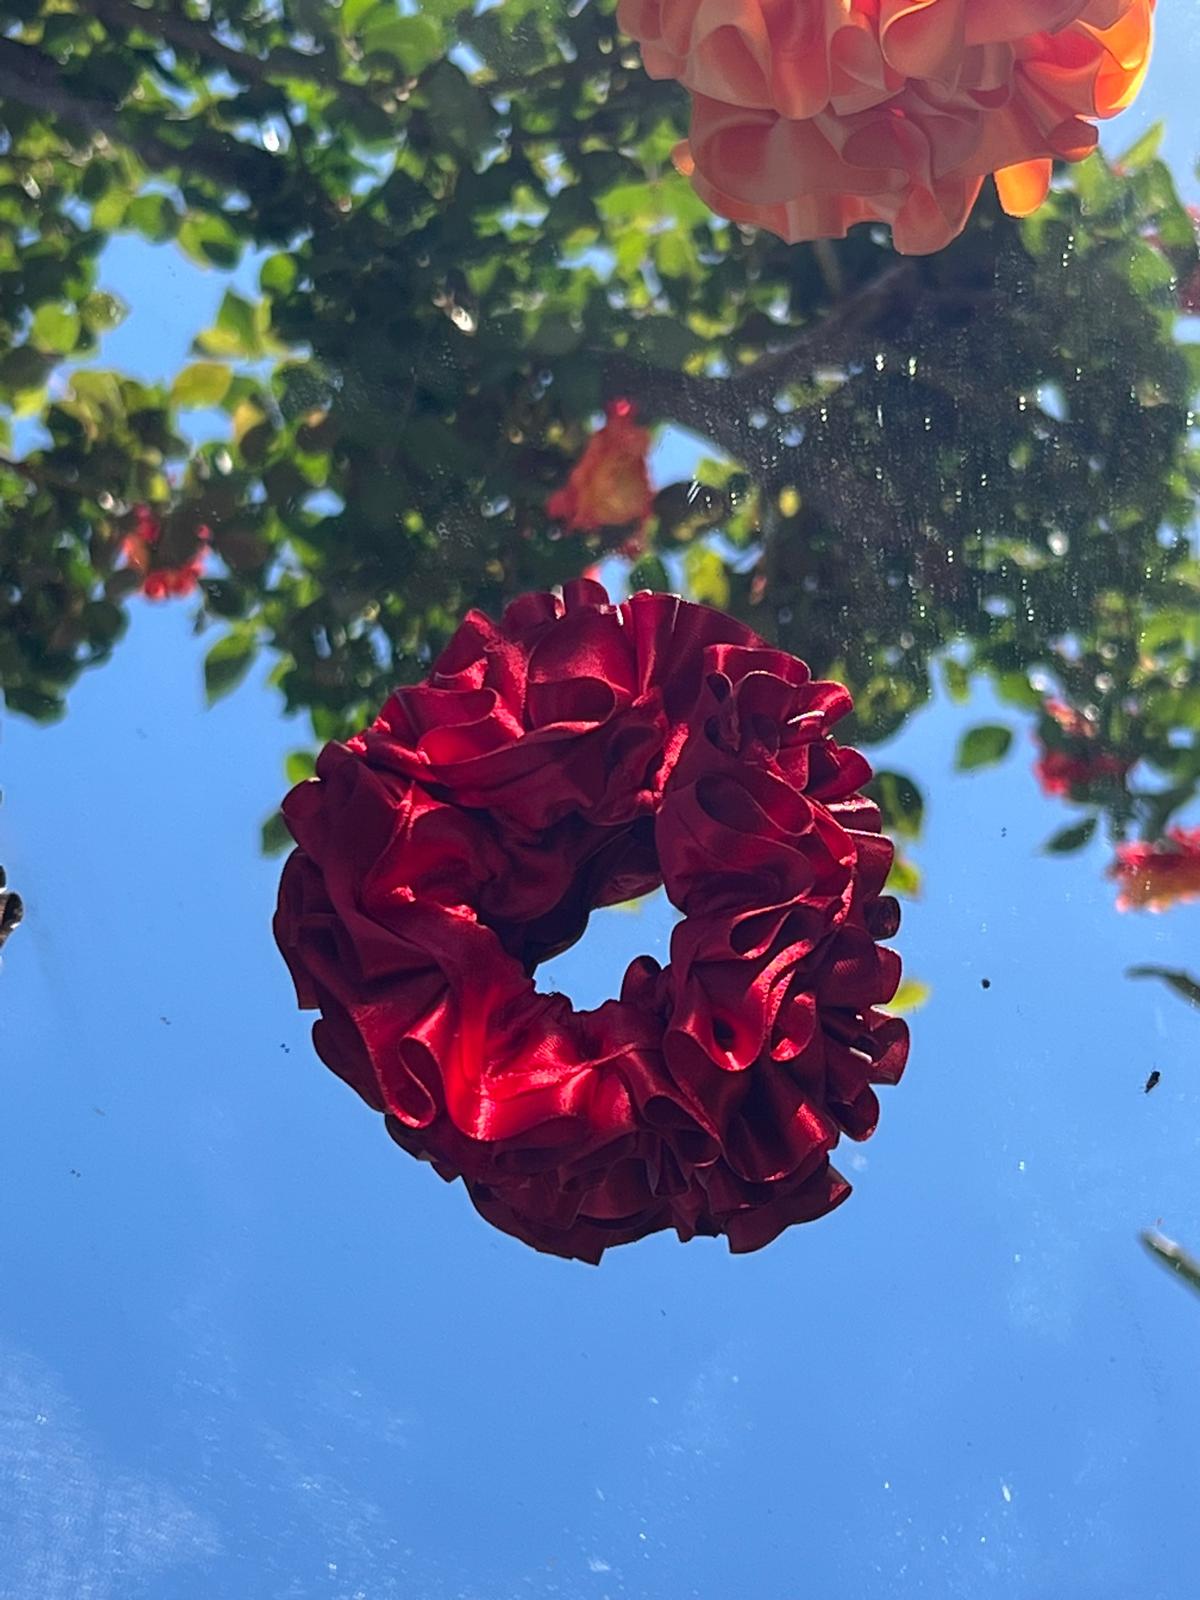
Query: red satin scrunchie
[576, 755]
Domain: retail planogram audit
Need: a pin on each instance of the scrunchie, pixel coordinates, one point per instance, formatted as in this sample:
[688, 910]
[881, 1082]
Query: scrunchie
[576, 755]
[811, 115]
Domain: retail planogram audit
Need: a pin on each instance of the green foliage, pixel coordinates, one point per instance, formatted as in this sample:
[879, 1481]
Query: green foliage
[1182, 983]
[983, 747]
[12, 909]
[474, 238]
[228, 662]
[1073, 838]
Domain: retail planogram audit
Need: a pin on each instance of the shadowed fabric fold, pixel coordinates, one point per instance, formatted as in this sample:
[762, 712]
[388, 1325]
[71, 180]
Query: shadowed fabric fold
[575, 754]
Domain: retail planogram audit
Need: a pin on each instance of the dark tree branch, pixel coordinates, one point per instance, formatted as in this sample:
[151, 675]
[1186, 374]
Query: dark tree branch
[194, 38]
[835, 339]
[724, 409]
[35, 80]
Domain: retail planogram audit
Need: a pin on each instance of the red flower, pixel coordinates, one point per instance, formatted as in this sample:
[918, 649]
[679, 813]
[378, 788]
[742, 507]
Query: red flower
[1154, 876]
[575, 755]
[164, 581]
[1075, 762]
[1059, 773]
[609, 486]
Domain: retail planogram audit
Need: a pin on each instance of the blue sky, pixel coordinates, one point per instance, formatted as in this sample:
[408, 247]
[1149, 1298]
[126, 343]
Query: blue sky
[252, 1349]
[247, 1348]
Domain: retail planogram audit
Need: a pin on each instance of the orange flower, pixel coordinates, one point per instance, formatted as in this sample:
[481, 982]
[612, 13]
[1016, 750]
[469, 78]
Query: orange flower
[161, 582]
[609, 486]
[1155, 876]
[812, 115]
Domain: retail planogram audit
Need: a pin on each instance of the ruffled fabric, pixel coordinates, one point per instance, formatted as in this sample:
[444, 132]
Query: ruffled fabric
[812, 115]
[574, 755]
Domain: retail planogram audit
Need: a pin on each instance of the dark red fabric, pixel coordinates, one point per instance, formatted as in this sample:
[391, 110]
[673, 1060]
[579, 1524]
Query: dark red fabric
[577, 754]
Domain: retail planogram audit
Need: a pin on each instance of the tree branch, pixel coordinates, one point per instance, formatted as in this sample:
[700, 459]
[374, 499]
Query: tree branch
[837, 337]
[36, 80]
[194, 38]
[721, 408]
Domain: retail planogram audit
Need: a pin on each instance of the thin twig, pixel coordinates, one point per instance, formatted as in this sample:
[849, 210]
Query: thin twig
[1173, 1256]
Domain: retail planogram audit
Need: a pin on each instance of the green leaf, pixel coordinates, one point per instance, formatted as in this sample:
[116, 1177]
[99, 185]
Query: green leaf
[33, 703]
[461, 115]
[203, 384]
[274, 836]
[154, 216]
[56, 328]
[301, 764]
[983, 747]
[415, 42]
[707, 579]
[228, 662]
[958, 680]
[236, 331]
[1182, 982]
[556, 335]
[354, 11]
[904, 878]
[1015, 689]
[102, 311]
[910, 996]
[1073, 838]
[649, 573]
[900, 801]
[1143, 151]
[210, 240]
[664, 342]
[23, 370]
[278, 274]
[110, 209]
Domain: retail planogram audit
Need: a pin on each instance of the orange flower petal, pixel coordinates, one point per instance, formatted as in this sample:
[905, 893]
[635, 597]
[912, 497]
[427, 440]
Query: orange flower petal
[1023, 186]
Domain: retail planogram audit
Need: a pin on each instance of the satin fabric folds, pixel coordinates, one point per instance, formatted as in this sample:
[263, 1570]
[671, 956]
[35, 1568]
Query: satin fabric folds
[575, 755]
[811, 115]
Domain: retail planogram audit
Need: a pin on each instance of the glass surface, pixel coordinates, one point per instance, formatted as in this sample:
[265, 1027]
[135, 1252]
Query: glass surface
[250, 1348]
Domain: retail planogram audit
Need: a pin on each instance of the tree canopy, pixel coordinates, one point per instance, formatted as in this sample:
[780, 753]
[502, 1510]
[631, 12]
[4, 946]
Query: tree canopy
[470, 238]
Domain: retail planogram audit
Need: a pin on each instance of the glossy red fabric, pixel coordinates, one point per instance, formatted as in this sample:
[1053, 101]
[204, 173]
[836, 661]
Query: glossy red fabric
[575, 755]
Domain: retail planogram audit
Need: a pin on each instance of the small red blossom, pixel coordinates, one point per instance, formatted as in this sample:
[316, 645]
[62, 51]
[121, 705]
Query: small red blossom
[167, 581]
[1078, 763]
[609, 486]
[1059, 772]
[1152, 877]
